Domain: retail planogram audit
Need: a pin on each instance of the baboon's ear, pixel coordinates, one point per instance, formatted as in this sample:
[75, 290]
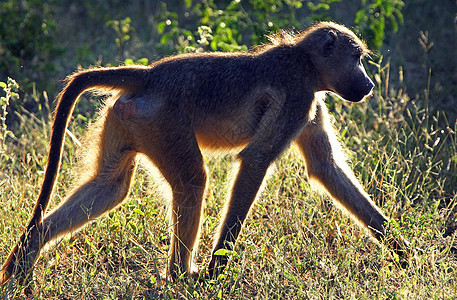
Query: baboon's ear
[329, 43]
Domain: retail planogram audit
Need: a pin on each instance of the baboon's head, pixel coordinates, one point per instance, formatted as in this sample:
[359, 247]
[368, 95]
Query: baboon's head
[336, 55]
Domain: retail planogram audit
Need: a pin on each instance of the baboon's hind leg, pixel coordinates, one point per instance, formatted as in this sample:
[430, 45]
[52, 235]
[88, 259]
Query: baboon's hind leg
[104, 189]
[172, 147]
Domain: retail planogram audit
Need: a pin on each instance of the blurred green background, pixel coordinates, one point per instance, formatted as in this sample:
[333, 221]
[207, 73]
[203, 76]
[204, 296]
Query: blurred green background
[41, 41]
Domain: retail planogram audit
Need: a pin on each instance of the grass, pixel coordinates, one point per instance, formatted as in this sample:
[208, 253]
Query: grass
[296, 243]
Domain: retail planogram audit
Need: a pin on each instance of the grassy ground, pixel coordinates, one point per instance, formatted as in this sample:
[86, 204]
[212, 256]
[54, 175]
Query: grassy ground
[296, 243]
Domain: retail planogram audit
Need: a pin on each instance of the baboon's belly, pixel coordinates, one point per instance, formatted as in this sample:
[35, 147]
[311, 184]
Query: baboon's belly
[225, 134]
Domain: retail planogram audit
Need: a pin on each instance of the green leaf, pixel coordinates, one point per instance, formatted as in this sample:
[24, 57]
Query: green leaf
[128, 62]
[165, 38]
[143, 61]
[88, 242]
[323, 6]
[224, 252]
[161, 27]
[359, 15]
[213, 44]
[134, 227]
[297, 4]
[138, 211]
[394, 24]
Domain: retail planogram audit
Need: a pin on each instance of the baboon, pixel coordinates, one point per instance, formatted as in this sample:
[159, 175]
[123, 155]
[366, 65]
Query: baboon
[255, 103]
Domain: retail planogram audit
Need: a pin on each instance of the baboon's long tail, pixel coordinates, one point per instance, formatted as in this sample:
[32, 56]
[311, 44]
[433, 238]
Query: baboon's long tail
[120, 78]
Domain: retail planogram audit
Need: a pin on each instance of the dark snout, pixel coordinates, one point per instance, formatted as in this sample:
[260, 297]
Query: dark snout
[360, 87]
[369, 86]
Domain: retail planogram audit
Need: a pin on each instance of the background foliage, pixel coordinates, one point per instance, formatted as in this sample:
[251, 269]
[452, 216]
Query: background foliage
[401, 142]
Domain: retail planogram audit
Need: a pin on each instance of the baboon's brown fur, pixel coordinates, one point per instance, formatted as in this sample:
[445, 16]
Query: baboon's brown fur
[258, 102]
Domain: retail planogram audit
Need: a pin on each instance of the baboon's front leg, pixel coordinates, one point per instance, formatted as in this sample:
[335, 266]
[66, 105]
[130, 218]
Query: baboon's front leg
[277, 127]
[103, 190]
[325, 163]
[245, 189]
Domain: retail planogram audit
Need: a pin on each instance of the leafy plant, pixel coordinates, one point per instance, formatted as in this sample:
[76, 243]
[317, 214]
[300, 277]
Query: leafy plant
[374, 18]
[9, 87]
[123, 29]
[28, 54]
[229, 26]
